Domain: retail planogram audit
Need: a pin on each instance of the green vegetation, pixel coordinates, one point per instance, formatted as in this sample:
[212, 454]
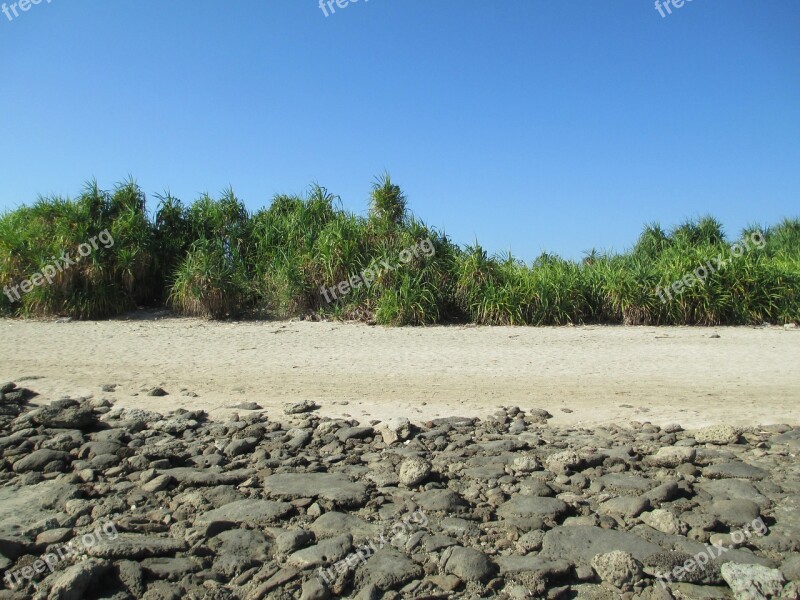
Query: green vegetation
[214, 259]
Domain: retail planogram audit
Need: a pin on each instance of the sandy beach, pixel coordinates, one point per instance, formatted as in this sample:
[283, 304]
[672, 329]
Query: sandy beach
[603, 375]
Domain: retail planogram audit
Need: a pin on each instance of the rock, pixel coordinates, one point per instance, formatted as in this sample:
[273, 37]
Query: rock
[536, 566]
[625, 483]
[580, 543]
[388, 569]
[241, 446]
[683, 567]
[157, 392]
[134, 546]
[314, 589]
[717, 434]
[467, 563]
[528, 507]
[734, 470]
[664, 521]
[735, 513]
[158, 484]
[394, 430]
[70, 417]
[300, 407]
[323, 554]
[414, 470]
[671, 456]
[251, 512]
[238, 550]
[332, 524]
[620, 569]
[439, 500]
[208, 477]
[171, 569]
[526, 464]
[39, 460]
[752, 582]
[354, 433]
[627, 506]
[75, 581]
[791, 568]
[333, 487]
[287, 542]
[538, 415]
[563, 462]
[247, 406]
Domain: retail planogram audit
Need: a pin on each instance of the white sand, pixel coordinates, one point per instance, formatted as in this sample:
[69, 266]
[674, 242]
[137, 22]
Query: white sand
[603, 374]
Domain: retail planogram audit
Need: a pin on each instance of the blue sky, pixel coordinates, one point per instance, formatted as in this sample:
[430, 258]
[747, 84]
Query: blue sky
[531, 125]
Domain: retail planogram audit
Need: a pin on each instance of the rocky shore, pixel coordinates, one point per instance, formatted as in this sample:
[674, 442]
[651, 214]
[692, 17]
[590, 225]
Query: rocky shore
[102, 502]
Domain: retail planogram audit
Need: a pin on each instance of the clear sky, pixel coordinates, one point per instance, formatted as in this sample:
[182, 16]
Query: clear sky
[530, 125]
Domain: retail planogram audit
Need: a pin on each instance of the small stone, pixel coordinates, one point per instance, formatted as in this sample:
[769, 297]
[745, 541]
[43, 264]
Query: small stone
[300, 407]
[618, 568]
[467, 563]
[414, 470]
[752, 582]
[717, 434]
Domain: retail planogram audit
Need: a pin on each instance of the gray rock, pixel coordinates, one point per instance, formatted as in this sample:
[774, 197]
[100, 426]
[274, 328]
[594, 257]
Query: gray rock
[208, 477]
[314, 589]
[753, 582]
[467, 563]
[389, 569]
[287, 542]
[664, 521]
[671, 456]
[333, 524]
[252, 512]
[627, 506]
[734, 489]
[134, 546]
[717, 434]
[684, 567]
[439, 500]
[527, 507]
[240, 446]
[394, 430]
[734, 470]
[171, 569]
[625, 483]
[333, 487]
[618, 568]
[791, 568]
[39, 459]
[735, 513]
[300, 407]
[579, 544]
[238, 550]
[539, 567]
[414, 470]
[75, 581]
[354, 433]
[323, 554]
[158, 484]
